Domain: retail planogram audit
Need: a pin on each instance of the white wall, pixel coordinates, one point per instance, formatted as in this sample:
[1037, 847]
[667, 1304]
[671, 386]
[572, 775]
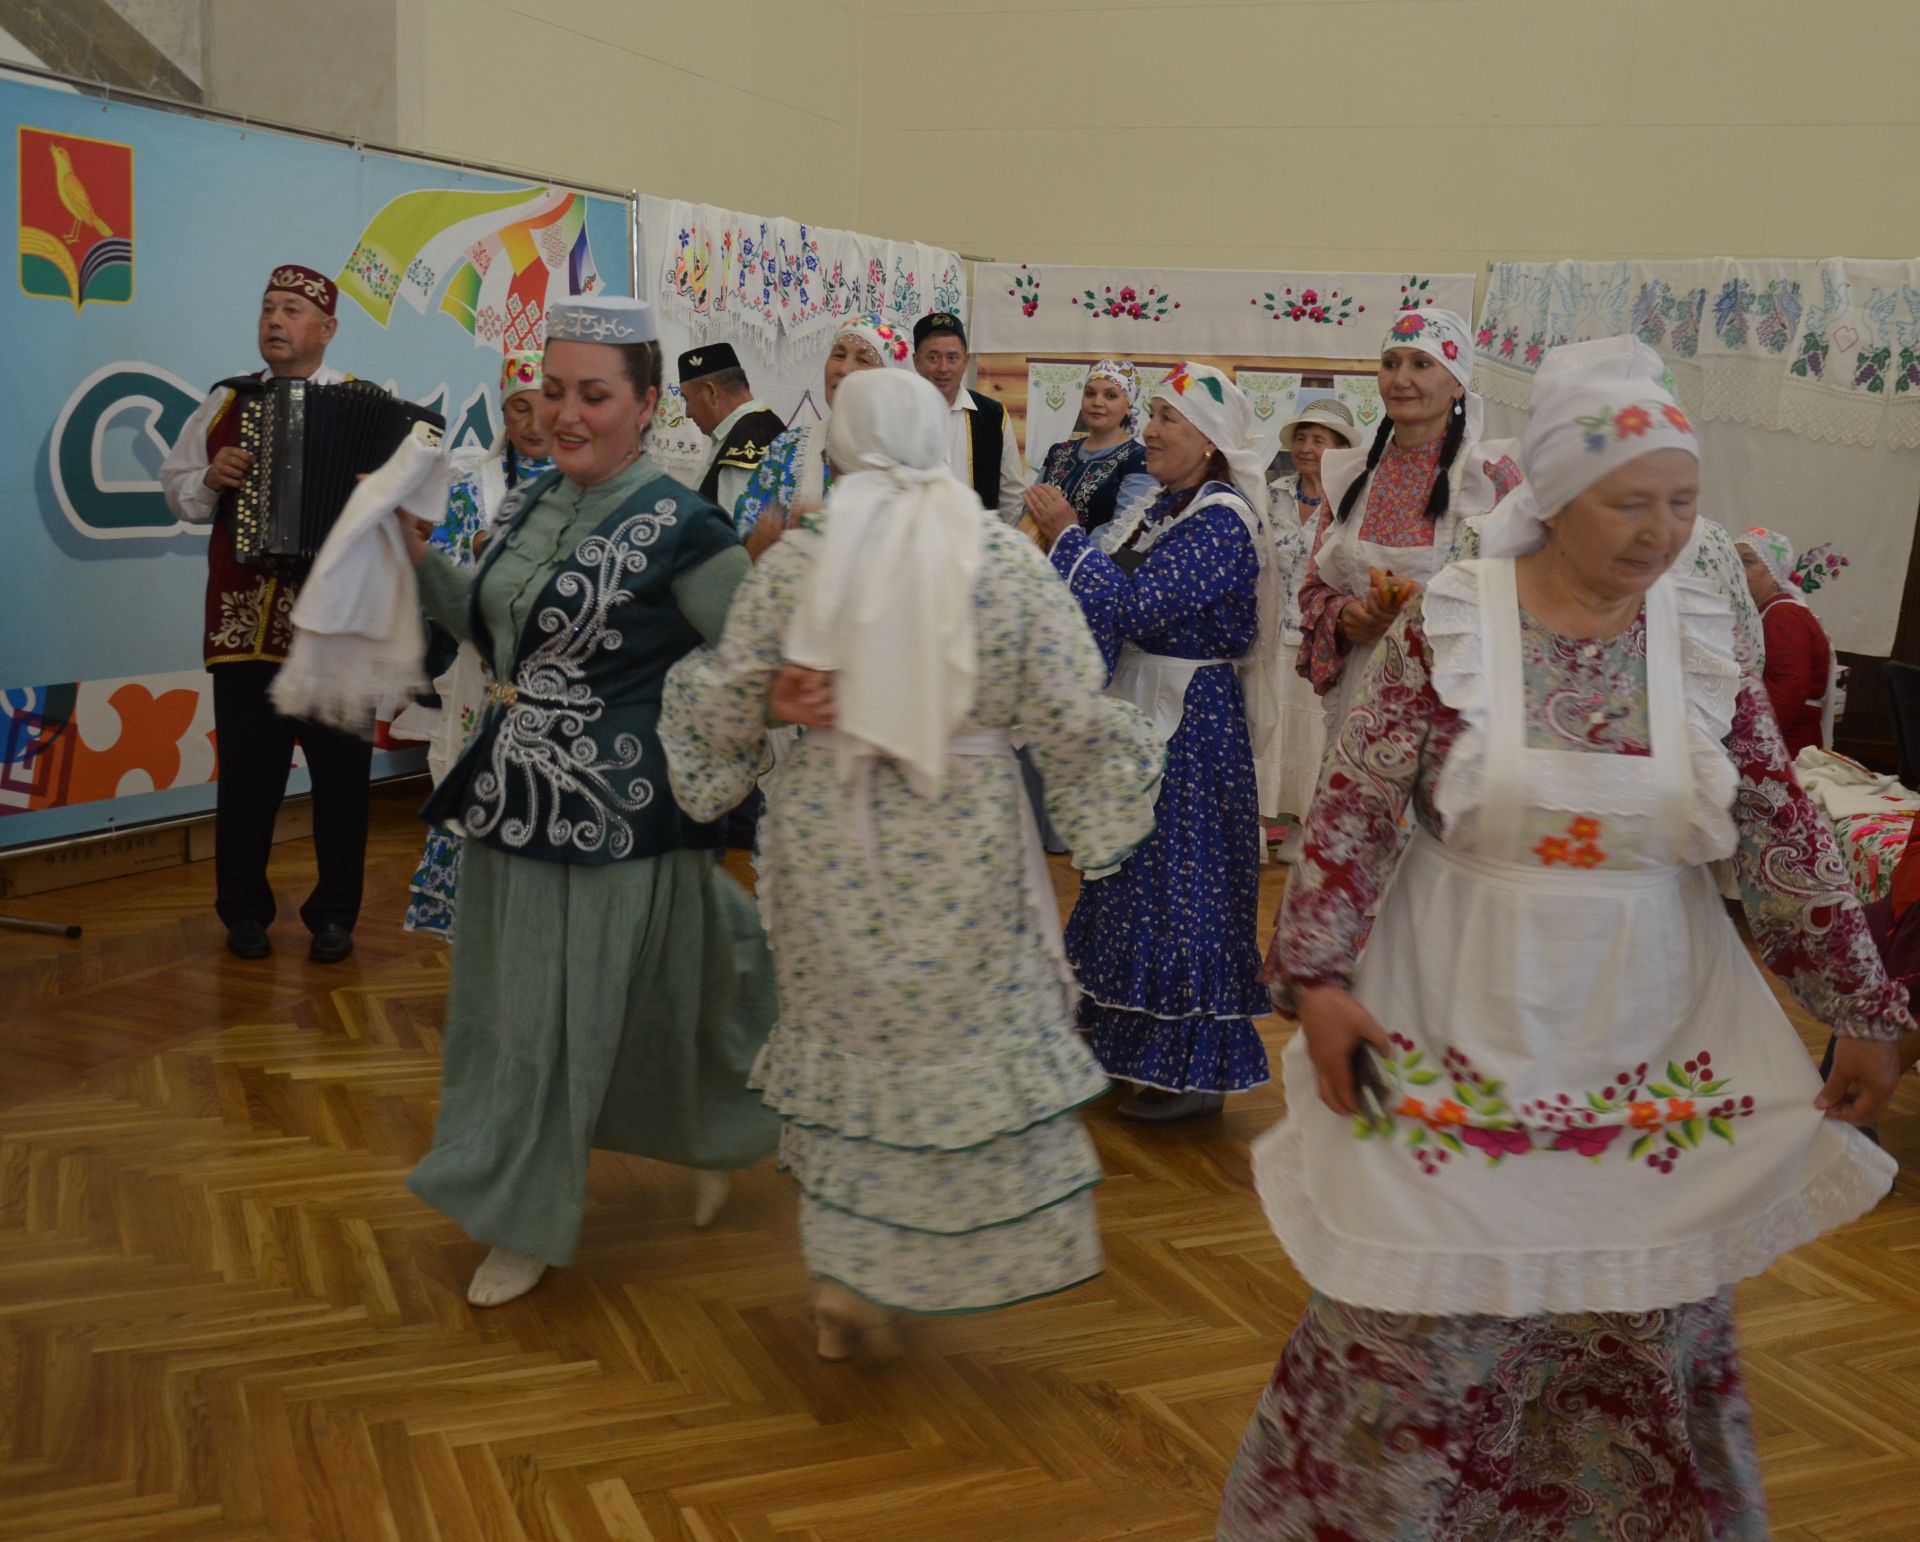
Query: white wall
[1377, 135]
[752, 104]
[329, 66]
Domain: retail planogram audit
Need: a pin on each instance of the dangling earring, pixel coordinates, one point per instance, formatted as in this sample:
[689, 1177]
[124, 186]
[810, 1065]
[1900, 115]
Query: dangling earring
[1459, 408]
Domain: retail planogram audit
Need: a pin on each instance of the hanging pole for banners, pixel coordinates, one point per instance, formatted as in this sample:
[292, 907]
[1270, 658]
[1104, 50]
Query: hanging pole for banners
[633, 242]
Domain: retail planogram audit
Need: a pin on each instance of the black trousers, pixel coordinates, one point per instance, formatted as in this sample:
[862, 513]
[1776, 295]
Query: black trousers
[256, 754]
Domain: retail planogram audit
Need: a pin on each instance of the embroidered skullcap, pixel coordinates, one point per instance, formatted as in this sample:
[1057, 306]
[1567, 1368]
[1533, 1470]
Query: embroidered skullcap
[519, 371]
[883, 337]
[602, 318]
[698, 363]
[939, 324]
[1441, 333]
[1123, 374]
[292, 278]
[1327, 412]
[1776, 551]
[1599, 413]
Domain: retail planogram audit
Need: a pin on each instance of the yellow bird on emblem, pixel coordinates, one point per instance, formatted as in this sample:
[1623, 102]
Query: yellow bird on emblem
[73, 193]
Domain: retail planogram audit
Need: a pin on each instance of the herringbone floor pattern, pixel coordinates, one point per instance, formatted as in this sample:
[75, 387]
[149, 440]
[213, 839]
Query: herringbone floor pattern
[222, 1317]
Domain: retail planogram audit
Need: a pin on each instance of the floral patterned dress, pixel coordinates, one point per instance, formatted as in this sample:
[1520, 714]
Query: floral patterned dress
[1560, 1424]
[1166, 947]
[431, 890]
[925, 1064]
[775, 482]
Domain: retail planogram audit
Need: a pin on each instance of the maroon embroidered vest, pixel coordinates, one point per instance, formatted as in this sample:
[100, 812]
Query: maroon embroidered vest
[249, 615]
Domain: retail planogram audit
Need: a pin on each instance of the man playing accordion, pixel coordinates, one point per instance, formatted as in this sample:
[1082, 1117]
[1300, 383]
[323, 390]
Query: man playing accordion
[248, 628]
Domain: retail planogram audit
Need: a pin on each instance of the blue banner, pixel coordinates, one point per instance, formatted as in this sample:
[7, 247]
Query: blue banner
[144, 240]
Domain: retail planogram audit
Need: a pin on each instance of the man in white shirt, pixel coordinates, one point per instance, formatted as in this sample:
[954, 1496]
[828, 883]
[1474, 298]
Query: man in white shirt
[981, 444]
[247, 631]
[721, 402]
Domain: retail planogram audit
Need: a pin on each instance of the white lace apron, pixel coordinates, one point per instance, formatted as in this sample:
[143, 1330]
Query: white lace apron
[1594, 1101]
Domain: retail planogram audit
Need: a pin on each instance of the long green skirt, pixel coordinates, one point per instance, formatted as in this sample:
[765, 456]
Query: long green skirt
[618, 1006]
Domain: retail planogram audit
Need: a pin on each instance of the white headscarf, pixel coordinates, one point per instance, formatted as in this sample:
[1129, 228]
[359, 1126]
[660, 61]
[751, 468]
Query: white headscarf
[520, 370]
[888, 604]
[1595, 408]
[893, 344]
[1212, 403]
[1443, 334]
[1123, 374]
[1776, 551]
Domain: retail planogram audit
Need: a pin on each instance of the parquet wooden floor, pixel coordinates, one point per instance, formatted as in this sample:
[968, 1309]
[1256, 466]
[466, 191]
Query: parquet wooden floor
[222, 1317]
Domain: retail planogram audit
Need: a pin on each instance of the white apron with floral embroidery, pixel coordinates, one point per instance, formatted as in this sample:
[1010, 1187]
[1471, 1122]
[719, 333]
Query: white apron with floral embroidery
[1594, 1101]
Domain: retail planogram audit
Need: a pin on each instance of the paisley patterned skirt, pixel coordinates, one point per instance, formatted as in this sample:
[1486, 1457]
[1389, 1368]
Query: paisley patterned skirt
[1557, 1428]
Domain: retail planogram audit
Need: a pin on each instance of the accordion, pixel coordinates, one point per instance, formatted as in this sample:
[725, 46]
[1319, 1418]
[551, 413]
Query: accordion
[310, 444]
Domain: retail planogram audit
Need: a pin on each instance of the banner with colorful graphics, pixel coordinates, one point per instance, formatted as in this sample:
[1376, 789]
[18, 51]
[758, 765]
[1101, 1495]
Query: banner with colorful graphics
[142, 242]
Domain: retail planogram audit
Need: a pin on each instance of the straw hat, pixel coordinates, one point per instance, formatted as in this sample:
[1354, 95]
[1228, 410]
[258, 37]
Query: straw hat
[1327, 412]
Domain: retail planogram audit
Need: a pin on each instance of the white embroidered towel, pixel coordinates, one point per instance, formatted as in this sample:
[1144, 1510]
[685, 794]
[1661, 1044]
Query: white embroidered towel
[358, 646]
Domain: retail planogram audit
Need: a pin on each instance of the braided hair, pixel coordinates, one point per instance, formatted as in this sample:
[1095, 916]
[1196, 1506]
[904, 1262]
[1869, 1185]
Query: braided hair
[1440, 498]
[1374, 451]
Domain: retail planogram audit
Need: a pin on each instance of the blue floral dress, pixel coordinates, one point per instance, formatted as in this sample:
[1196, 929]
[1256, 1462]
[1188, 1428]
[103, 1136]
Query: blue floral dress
[775, 482]
[1166, 946]
[431, 889]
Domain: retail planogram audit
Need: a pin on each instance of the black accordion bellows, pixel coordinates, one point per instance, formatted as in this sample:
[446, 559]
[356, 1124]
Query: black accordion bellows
[310, 445]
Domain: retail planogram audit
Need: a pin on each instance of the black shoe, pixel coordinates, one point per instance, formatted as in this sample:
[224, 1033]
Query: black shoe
[248, 939]
[330, 945]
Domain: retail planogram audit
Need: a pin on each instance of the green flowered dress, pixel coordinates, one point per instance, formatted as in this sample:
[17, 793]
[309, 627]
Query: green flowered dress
[925, 1063]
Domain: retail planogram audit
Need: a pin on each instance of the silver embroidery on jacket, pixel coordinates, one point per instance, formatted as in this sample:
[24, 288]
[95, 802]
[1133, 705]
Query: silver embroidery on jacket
[542, 751]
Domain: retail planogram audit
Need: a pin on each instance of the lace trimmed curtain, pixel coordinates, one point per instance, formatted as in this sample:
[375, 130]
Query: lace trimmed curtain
[1827, 348]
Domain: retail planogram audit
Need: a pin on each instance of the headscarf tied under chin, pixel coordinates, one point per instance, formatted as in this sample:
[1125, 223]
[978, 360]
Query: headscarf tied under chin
[1212, 403]
[887, 607]
[1123, 374]
[1776, 551]
[1595, 407]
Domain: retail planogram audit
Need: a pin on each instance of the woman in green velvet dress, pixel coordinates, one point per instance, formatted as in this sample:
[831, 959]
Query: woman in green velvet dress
[611, 986]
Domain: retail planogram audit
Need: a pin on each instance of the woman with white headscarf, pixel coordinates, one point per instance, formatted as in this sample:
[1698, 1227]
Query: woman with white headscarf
[1801, 672]
[925, 1065]
[794, 476]
[1297, 503]
[1103, 471]
[1186, 604]
[1710, 552]
[1555, 1112]
[1397, 508]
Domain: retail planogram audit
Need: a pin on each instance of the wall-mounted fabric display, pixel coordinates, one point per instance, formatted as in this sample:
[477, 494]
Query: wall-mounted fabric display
[725, 275]
[1827, 348]
[777, 290]
[1182, 312]
[1803, 380]
[1848, 508]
